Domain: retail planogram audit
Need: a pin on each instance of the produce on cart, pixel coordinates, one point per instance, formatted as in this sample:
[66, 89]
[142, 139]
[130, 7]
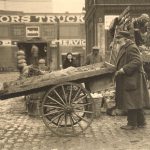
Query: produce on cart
[67, 108]
[139, 29]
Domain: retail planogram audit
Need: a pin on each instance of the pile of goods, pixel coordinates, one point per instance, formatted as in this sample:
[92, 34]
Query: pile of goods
[145, 53]
[21, 59]
[73, 71]
[109, 104]
[146, 56]
[52, 78]
[105, 103]
[108, 99]
[95, 67]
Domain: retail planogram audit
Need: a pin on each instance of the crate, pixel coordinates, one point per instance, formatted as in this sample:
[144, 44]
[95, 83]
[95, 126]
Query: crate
[97, 107]
[33, 107]
[33, 103]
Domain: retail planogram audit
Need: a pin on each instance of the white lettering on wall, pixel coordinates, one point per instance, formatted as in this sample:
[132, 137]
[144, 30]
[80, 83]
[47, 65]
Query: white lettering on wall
[32, 31]
[5, 19]
[8, 43]
[15, 18]
[70, 42]
[61, 18]
[80, 18]
[70, 18]
[42, 18]
[62, 42]
[51, 19]
[25, 19]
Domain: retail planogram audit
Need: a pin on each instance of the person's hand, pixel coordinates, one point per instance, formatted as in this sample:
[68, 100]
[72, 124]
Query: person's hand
[111, 45]
[136, 29]
[119, 72]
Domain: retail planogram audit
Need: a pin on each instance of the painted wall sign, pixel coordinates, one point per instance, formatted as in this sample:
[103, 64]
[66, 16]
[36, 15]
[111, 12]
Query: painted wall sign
[42, 18]
[70, 42]
[62, 42]
[8, 43]
[32, 31]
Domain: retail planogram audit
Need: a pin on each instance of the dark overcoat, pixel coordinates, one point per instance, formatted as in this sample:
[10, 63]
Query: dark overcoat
[131, 87]
[92, 59]
[68, 63]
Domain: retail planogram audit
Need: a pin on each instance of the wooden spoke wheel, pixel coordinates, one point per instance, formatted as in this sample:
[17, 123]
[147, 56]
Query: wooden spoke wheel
[67, 109]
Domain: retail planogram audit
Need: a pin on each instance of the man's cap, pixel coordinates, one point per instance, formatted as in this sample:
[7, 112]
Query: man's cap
[95, 48]
[125, 34]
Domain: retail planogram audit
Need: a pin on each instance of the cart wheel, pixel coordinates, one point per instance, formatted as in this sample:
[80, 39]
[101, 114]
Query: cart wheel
[67, 109]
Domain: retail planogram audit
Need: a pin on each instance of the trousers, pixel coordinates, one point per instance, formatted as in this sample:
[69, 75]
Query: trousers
[135, 117]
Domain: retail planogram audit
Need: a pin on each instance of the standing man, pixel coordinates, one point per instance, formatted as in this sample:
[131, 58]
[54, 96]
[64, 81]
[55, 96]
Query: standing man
[35, 54]
[94, 56]
[131, 88]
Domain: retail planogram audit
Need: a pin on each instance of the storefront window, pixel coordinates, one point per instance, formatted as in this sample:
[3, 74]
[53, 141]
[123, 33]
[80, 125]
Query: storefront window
[4, 30]
[69, 31]
[48, 30]
[18, 30]
[82, 31]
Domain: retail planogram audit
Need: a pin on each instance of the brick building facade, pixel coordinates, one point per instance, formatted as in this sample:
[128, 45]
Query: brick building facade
[16, 26]
[99, 14]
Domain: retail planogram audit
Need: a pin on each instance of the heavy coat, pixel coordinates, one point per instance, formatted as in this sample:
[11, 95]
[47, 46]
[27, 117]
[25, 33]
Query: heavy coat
[131, 87]
[92, 59]
[68, 63]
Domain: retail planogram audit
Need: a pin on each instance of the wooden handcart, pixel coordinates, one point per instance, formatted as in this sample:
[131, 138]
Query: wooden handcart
[67, 108]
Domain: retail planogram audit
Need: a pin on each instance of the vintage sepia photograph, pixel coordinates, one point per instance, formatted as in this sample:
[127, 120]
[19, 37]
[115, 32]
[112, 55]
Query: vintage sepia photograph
[74, 74]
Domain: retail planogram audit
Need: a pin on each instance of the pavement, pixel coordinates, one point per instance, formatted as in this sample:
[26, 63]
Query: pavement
[19, 131]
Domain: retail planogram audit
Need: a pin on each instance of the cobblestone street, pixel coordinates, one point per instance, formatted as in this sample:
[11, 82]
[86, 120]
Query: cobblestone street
[18, 131]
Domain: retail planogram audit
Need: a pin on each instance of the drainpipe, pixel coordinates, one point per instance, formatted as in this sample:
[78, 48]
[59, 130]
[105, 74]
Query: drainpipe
[58, 47]
[94, 2]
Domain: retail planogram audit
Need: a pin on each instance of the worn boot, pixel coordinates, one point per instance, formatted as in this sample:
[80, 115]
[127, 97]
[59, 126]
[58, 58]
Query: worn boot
[141, 122]
[131, 119]
[128, 127]
[142, 125]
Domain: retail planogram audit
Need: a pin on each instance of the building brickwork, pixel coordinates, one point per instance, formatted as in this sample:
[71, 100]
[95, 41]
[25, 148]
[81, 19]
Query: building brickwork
[98, 12]
[16, 26]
